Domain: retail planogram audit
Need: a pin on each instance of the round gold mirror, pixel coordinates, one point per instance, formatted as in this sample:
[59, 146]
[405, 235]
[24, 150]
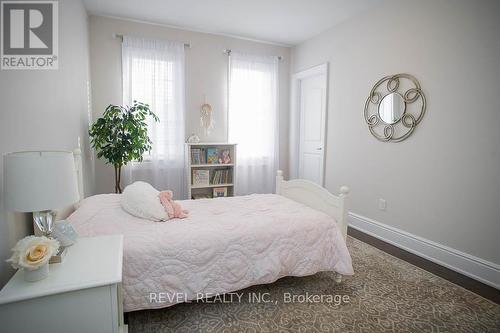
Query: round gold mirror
[394, 107]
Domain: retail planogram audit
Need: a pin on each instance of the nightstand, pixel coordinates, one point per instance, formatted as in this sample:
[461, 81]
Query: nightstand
[81, 294]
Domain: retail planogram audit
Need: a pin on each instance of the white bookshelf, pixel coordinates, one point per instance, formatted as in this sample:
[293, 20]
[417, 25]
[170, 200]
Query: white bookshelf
[197, 190]
[211, 185]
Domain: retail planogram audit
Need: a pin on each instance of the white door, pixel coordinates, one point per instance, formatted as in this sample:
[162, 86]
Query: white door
[312, 108]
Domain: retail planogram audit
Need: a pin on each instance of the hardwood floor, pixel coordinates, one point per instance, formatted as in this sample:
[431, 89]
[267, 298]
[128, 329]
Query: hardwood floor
[448, 274]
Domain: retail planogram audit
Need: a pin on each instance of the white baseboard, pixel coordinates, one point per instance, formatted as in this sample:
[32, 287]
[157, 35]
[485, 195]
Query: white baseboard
[479, 269]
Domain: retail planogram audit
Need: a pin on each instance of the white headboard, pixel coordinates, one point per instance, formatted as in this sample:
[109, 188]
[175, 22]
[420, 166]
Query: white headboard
[315, 196]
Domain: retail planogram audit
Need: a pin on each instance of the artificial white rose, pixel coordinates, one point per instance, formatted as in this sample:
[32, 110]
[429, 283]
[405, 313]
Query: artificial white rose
[32, 252]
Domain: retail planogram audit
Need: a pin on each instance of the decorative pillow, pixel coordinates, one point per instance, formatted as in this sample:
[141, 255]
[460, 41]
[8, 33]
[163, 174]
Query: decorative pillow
[140, 199]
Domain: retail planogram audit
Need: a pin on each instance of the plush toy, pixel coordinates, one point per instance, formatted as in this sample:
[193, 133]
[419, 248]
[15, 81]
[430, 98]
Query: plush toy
[173, 209]
[225, 158]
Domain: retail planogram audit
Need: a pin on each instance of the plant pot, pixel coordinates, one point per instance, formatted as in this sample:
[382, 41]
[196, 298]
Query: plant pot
[37, 274]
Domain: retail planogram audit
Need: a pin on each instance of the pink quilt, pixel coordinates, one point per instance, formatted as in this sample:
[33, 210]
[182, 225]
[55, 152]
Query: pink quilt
[226, 244]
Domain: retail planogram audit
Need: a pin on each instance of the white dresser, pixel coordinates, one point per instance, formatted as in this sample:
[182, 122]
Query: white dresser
[82, 294]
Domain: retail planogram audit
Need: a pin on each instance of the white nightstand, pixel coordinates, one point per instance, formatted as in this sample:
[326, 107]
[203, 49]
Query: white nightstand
[82, 294]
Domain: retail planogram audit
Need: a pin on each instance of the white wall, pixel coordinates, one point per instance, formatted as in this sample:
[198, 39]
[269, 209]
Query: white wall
[443, 183]
[46, 109]
[206, 75]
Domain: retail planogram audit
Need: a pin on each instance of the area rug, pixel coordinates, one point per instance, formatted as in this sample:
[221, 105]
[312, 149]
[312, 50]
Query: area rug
[386, 294]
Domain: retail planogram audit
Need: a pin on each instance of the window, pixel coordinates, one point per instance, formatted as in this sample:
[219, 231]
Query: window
[153, 73]
[154, 85]
[252, 120]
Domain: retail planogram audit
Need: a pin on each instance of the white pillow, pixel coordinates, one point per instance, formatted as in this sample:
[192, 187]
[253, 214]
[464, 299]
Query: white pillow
[141, 199]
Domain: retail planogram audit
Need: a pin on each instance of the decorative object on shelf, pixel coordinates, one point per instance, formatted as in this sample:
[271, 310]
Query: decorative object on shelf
[212, 155]
[201, 177]
[39, 182]
[193, 138]
[64, 233]
[220, 192]
[224, 156]
[206, 118]
[394, 108]
[32, 254]
[110, 136]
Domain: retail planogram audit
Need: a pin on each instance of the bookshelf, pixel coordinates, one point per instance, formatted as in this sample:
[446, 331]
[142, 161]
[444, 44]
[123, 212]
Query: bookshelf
[210, 169]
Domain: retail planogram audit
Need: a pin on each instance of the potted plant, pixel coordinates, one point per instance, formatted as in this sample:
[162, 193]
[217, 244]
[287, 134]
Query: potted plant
[121, 136]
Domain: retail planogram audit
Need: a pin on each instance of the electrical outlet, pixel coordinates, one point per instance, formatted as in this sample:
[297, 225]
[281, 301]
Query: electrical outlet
[382, 204]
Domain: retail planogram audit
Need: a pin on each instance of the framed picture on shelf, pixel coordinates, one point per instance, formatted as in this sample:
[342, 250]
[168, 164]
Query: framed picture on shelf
[220, 192]
[201, 177]
[212, 156]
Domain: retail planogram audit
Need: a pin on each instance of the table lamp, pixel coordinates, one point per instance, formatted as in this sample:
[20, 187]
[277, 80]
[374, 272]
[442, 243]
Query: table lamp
[39, 182]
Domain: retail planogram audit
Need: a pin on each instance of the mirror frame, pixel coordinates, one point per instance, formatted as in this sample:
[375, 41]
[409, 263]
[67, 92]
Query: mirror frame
[409, 120]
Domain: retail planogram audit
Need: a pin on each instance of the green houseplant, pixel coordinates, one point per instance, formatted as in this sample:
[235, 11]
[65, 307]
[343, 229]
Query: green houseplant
[120, 136]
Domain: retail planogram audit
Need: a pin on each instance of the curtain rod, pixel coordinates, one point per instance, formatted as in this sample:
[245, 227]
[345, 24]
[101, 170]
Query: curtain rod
[228, 52]
[186, 45]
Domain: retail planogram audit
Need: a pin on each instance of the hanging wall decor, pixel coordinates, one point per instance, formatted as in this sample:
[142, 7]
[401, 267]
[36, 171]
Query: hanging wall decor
[394, 108]
[193, 138]
[206, 118]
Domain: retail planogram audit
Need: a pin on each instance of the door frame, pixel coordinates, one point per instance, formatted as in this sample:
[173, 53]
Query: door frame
[295, 117]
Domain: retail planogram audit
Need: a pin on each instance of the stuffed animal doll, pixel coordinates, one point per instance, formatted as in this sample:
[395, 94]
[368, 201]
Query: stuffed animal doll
[225, 158]
[173, 209]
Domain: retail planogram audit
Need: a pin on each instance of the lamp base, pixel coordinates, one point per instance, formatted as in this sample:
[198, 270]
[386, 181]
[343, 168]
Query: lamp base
[59, 256]
[44, 221]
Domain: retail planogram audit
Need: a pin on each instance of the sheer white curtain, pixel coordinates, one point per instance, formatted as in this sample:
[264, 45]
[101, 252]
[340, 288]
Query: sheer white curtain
[252, 120]
[153, 73]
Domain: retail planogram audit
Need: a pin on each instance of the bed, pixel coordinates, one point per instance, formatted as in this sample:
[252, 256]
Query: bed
[226, 244]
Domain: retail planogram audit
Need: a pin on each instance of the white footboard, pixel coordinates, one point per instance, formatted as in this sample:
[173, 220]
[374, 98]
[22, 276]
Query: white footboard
[315, 196]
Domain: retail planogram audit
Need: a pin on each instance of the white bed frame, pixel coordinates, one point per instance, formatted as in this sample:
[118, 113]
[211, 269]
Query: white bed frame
[315, 196]
[300, 190]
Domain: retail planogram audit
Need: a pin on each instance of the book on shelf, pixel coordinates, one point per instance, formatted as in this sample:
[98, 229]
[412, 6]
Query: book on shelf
[198, 156]
[201, 196]
[195, 156]
[221, 176]
[212, 155]
[201, 177]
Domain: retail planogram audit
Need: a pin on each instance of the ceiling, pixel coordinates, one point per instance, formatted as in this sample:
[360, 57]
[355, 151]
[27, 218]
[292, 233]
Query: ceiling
[287, 22]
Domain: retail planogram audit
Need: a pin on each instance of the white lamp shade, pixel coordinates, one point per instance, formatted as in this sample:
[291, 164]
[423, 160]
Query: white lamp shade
[37, 181]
